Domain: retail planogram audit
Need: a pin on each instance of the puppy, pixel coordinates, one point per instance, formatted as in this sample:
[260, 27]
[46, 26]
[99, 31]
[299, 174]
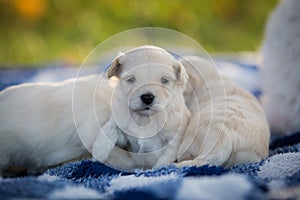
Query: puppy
[149, 114]
[227, 127]
[281, 68]
[37, 127]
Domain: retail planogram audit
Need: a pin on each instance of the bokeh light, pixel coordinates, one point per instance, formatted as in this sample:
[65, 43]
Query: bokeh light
[35, 32]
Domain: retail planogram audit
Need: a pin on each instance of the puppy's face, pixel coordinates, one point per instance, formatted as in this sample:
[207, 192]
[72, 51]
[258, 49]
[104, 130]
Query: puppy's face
[149, 79]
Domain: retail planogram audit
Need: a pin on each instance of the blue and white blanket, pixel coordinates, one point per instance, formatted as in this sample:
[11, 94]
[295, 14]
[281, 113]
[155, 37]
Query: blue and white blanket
[276, 177]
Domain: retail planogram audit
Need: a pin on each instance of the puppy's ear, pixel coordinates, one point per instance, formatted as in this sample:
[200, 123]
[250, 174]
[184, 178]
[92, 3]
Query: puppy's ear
[115, 69]
[181, 74]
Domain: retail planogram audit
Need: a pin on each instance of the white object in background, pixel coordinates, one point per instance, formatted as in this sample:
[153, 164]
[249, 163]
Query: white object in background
[281, 68]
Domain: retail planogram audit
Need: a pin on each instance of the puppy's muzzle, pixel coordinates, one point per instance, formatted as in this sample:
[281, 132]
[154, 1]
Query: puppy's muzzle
[147, 98]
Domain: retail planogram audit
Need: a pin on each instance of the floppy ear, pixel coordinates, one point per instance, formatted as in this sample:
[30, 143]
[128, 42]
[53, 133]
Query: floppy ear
[115, 68]
[181, 74]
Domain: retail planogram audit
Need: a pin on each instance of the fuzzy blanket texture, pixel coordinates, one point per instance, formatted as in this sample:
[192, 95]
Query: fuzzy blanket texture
[276, 177]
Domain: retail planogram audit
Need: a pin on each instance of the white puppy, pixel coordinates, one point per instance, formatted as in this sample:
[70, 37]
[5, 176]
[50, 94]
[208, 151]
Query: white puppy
[228, 126]
[148, 120]
[37, 129]
[281, 68]
[149, 112]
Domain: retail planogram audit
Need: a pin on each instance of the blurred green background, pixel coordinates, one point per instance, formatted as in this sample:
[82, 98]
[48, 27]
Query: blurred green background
[35, 32]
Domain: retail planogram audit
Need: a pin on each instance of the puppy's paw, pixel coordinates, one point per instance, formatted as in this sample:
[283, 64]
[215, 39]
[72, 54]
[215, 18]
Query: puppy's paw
[102, 152]
[186, 163]
[190, 163]
[101, 155]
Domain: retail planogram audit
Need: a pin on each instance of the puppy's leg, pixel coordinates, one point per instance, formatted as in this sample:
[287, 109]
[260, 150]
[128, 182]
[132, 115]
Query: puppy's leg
[215, 149]
[64, 155]
[242, 157]
[106, 140]
[170, 154]
[122, 160]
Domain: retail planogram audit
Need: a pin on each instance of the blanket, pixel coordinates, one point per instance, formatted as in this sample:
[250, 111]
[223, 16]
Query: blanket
[276, 177]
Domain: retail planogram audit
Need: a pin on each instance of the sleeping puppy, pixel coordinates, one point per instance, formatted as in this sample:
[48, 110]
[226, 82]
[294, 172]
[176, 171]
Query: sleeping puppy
[37, 127]
[149, 114]
[228, 126]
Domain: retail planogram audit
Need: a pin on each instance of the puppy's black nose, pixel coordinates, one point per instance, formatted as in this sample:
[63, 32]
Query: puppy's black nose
[147, 98]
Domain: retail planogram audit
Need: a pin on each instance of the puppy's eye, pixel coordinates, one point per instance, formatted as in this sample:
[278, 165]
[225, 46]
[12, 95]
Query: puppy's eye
[130, 80]
[164, 81]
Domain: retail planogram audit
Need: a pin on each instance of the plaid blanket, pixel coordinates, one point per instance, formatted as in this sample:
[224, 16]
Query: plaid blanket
[276, 177]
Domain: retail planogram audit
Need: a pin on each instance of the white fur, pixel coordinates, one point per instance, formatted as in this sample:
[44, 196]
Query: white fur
[281, 68]
[227, 127]
[153, 136]
[37, 129]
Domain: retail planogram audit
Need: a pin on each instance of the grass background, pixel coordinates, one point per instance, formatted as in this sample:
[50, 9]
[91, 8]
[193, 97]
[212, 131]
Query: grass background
[35, 32]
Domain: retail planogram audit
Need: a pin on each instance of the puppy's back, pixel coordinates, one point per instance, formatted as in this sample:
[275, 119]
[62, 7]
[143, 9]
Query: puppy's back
[37, 128]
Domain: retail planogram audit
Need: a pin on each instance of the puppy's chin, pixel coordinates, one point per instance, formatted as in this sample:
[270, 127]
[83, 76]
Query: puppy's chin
[146, 112]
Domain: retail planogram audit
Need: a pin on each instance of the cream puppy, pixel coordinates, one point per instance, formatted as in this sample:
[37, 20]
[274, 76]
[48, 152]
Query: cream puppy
[37, 128]
[228, 126]
[149, 113]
